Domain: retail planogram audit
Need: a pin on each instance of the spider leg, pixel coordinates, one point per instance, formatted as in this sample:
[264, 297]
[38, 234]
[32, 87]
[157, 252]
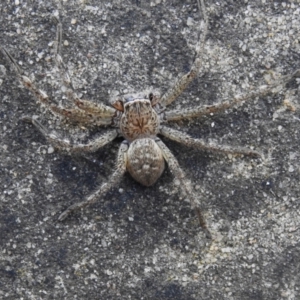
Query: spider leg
[75, 115]
[184, 183]
[98, 110]
[99, 114]
[187, 140]
[176, 114]
[181, 83]
[80, 116]
[65, 145]
[105, 187]
[41, 96]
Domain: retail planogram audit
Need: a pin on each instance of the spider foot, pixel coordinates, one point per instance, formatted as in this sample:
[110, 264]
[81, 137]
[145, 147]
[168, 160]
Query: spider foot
[68, 211]
[202, 223]
[27, 119]
[207, 233]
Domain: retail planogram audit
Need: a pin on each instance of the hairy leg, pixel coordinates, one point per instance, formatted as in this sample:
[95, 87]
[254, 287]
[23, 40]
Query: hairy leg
[79, 116]
[65, 145]
[102, 116]
[105, 187]
[187, 140]
[182, 83]
[184, 183]
[41, 96]
[97, 110]
[176, 114]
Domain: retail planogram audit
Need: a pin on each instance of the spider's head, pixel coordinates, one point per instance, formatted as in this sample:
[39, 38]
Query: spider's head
[121, 102]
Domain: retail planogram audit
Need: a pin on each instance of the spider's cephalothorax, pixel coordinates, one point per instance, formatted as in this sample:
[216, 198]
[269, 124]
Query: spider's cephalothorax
[139, 125]
[139, 119]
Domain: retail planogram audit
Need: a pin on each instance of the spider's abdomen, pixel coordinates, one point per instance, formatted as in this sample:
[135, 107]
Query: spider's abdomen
[145, 161]
[139, 120]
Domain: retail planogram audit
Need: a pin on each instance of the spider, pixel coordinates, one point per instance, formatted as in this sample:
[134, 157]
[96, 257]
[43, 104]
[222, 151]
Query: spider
[138, 118]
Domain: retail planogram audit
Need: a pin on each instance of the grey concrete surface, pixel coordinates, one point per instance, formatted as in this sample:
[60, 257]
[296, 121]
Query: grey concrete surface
[137, 242]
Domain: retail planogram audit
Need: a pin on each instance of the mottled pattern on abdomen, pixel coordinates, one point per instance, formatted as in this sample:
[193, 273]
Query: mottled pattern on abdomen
[145, 161]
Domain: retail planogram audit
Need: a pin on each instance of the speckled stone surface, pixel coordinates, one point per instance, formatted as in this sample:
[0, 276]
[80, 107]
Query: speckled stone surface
[137, 242]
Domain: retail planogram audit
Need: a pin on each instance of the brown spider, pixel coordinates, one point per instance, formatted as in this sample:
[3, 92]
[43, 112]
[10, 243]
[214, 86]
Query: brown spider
[139, 118]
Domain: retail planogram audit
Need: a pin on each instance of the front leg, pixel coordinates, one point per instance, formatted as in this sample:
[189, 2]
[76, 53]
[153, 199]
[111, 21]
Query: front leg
[184, 183]
[85, 113]
[94, 110]
[187, 140]
[64, 145]
[105, 187]
[40, 95]
[182, 83]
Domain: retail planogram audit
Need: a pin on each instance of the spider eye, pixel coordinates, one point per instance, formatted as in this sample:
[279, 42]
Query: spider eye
[150, 96]
[154, 98]
[118, 104]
